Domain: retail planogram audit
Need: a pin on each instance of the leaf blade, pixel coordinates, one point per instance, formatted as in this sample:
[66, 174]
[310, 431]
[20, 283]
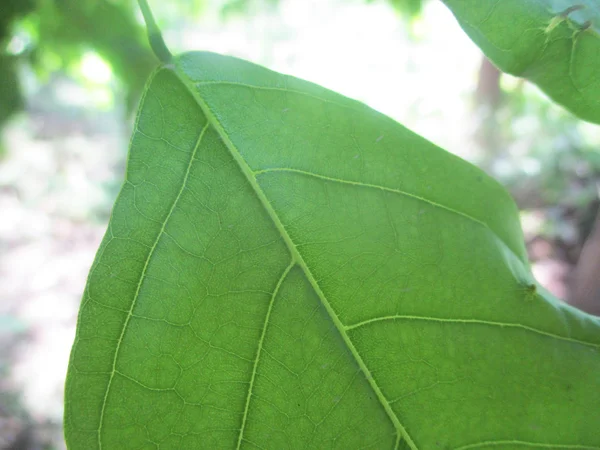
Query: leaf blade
[350, 344]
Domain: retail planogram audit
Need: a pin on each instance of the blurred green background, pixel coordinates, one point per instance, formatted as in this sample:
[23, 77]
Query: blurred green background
[71, 73]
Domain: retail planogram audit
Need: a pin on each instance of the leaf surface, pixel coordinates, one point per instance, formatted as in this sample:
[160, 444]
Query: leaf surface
[553, 43]
[287, 268]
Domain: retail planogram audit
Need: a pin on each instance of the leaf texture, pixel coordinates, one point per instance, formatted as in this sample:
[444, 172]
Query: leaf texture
[553, 43]
[286, 268]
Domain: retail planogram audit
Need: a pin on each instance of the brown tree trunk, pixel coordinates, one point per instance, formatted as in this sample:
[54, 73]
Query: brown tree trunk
[584, 289]
[488, 85]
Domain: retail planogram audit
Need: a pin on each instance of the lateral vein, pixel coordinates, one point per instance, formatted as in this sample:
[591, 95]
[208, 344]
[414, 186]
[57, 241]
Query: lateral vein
[527, 444]
[469, 321]
[373, 186]
[142, 277]
[259, 351]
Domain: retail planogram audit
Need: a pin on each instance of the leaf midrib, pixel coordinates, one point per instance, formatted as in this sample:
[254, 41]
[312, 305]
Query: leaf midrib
[296, 256]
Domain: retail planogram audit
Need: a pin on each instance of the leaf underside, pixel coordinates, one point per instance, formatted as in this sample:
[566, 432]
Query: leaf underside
[287, 268]
[553, 43]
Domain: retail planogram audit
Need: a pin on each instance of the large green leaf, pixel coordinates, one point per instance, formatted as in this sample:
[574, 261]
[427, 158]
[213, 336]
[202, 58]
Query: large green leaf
[553, 43]
[287, 268]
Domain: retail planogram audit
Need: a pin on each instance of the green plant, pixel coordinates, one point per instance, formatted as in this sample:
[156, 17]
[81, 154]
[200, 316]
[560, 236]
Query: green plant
[287, 268]
[55, 35]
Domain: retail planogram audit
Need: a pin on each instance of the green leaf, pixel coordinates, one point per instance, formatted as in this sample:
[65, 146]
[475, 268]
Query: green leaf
[553, 43]
[287, 268]
[410, 8]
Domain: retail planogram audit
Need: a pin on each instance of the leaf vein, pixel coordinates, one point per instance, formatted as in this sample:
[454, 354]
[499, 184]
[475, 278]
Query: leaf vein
[286, 90]
[250, 176]
[469, 321]
[373, 186]
[527, 444]
[141, 280]
[258, 352]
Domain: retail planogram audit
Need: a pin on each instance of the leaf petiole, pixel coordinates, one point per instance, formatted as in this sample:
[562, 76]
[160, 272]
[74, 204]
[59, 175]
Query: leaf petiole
[155, 38]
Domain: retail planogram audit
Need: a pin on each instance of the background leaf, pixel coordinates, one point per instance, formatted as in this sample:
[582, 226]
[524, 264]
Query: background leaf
[553, 43]
[287, 268]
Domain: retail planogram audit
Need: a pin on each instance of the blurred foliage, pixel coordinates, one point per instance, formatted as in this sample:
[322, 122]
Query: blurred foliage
[52, 35]
[546, 157]
[11, 10]
[238, 7]
[68, 28]
[408, 8]
[11, 98]
[539, 149]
